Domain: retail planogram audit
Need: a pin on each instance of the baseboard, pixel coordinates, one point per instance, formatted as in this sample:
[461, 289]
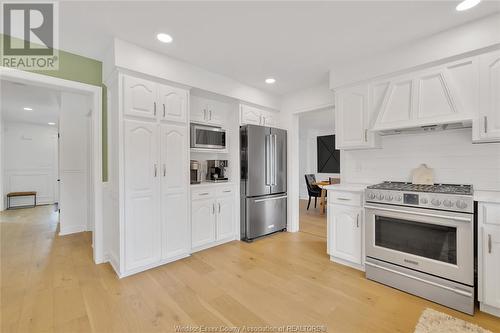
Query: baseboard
[156, 264]
[113, 261]
[347, 263]
[489, 309]
[72, 230]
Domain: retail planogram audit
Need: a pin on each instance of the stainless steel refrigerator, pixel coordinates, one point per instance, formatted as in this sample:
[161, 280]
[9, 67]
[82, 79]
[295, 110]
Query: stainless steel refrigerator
[263, 181]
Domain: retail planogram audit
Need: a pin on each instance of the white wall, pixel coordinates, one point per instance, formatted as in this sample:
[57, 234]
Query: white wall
[30, 153]
[450, 153]
[462, 39]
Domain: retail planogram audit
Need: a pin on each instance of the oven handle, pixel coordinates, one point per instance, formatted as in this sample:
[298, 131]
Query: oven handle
[455, 290]
[457, 218]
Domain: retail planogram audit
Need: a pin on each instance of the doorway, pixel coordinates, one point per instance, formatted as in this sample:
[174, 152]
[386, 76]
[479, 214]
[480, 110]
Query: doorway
[318, 164]
[51, 145]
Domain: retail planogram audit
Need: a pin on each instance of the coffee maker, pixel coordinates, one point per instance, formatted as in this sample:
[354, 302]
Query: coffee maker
[195, 172]
[217, 170]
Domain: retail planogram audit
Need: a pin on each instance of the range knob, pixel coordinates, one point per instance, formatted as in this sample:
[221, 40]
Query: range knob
[461, 204]
[447, 203]
[436, 202]
[424, 201]
[371, 196]
[389, 197]
[380, 196]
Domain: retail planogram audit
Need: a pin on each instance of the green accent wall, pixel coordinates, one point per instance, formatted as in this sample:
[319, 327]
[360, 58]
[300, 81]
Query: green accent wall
[77, 68]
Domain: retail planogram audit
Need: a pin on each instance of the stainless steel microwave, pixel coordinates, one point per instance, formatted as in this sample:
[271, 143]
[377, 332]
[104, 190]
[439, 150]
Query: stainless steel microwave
[208, 137]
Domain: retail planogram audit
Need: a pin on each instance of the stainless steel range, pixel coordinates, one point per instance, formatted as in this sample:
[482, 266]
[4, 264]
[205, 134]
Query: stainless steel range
[420, 239]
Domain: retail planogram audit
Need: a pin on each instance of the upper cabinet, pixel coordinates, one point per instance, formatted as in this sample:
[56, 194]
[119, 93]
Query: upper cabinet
[207, 111]
[439, 95]
[151, 100]
[250, 115]
[487, 122]
[352, 118]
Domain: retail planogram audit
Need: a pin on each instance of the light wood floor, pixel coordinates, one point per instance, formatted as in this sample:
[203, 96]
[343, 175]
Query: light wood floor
[311, 221]
[49, 284]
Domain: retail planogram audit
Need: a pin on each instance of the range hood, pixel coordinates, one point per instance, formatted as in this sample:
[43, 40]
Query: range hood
[427, 128]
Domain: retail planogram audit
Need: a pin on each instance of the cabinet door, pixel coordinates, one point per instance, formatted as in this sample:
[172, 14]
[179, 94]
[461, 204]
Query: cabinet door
[172, 103]
[139, 97]
[491, 266]
[352, 117]
[225, 217]
[142, 222]
[198, 107]
[174, 190]
[202, 222]
[270, 120]
[215, 113]
[489, 105]
[345, 233]
[250, 115]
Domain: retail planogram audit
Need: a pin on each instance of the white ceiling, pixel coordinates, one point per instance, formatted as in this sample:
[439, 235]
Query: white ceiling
[44, 102]
[296, 42]
[320, 120]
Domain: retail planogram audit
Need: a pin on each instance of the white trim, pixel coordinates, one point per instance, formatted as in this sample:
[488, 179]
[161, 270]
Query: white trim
[95, 92]
[72, 230]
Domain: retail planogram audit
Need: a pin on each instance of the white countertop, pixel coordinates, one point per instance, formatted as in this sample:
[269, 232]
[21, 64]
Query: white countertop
[350, 187]
[487, 196]
[212, 184]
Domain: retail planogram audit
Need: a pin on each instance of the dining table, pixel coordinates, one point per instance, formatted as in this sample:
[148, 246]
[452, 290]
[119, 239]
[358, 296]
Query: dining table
[322, 201]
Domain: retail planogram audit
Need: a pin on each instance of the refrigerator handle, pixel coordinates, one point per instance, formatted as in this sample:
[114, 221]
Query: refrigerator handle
[275, 160]
[268, 159]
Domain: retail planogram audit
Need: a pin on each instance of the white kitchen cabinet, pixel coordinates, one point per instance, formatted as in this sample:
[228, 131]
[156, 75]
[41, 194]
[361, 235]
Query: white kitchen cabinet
[174, 190]
[352, 119]
[142, 222]
[345, 232]
[213, 215]
[151, 100]
[203, 222]
[172, 103]
[207, 111]
[489, 257]
[250, 115]
[225, 217]
[139, 97]
[438, 95]
[487, 122]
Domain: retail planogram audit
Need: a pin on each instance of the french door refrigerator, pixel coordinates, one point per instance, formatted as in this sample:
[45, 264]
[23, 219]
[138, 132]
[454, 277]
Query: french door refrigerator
[263, 181]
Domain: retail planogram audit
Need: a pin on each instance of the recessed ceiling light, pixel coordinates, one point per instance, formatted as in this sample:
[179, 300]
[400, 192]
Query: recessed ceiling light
[270, 80]
[164, 38]
[467, 4]
[51, 124]
[28, 109]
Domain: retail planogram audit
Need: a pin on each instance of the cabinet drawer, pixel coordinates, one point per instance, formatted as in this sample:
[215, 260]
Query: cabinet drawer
[202, 193]
[344, 198]
[226, 190]
[489, 213]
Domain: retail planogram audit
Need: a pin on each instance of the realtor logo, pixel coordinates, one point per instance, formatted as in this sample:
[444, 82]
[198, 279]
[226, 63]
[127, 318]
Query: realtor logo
[30, 36]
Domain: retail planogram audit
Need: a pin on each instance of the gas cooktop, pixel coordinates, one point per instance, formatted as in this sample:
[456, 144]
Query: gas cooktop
[436, 188]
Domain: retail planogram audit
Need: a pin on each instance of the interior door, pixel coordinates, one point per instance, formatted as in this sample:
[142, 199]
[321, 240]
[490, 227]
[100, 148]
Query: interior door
[139, 97]
[73, 162]
[279, 155]
[174, 191]
[142, 222]
[173, 103]
[258, 152]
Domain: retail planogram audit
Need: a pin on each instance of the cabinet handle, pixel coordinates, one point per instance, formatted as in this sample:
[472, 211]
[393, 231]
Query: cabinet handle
[154, 108]
[344, 199]
[226, 191]
[213, 208]
[219, 207]
[485, 124]
[366, 135]
[204, 114]
[164, 170]
[209, 114]
[357, 221]
[489, 243]
[206, 193]
[156, 170]
[163, 110]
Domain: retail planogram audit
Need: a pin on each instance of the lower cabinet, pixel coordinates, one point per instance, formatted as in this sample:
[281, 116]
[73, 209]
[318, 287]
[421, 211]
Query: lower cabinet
[489, 257]
[345, 232]
[213, 219]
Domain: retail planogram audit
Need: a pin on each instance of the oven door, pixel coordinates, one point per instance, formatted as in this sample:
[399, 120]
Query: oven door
[431, 241]
[207, 137]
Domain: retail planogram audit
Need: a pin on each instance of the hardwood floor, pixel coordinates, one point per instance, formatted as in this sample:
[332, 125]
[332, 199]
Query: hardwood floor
[49, 284]
[311, 221]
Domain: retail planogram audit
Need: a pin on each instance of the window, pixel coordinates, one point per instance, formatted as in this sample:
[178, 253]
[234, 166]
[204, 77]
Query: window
[328, 156]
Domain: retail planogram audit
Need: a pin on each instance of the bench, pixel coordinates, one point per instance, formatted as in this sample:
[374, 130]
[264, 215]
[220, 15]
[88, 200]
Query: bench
[21, 194]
